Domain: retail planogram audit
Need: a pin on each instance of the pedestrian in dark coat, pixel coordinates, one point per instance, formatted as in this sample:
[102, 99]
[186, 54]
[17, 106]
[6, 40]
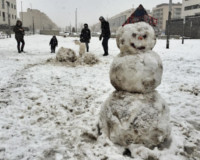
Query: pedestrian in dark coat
[53, 43]
[85, 36]
[105, 34]
[19, 36]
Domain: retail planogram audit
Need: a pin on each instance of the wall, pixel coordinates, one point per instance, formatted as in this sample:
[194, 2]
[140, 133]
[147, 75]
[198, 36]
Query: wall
[191, 30]
[4, 11]
[40, 19]
[194, 7]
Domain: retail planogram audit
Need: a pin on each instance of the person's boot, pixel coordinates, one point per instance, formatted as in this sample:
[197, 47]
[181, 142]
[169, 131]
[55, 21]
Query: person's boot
[22, 49]
[18, 48]
[105, 54]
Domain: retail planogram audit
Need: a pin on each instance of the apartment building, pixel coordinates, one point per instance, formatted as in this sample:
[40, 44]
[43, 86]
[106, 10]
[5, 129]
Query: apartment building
[189, 24]
[117, 20]
[4, 6]
[40, 20]
[190, 8]
[161, 11]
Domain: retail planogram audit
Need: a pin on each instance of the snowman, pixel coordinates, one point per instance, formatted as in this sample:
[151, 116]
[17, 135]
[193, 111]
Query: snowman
[135, 113]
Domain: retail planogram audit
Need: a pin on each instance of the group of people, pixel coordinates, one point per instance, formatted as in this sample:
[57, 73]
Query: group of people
[85, 36]
[105, 35]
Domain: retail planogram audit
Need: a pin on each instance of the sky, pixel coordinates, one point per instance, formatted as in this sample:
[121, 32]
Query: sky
[62, 12]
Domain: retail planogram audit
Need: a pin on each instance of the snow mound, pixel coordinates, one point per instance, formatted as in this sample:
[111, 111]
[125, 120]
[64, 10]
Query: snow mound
[66, 55]
[140, 73]
[81, 47]
[135, 38]
[90, 59]
[135, 119]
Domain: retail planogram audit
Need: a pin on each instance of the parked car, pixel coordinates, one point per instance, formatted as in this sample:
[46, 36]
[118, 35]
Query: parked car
[64, 34]
[2, 35]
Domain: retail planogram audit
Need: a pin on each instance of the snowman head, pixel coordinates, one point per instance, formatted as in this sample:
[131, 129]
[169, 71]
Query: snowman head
[135, 38]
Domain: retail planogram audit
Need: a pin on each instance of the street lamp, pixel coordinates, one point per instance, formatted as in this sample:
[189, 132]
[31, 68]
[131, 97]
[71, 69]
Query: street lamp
[22, 12]
[33, 20]
[168, 23]
[9, 31]
[76, 19]
[183, 30]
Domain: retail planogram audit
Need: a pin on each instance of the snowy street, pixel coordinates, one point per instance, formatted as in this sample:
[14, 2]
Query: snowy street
[50, 112]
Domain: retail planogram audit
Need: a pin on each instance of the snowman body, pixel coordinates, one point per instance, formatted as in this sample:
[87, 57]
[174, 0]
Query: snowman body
[140, 73]
[135, 112]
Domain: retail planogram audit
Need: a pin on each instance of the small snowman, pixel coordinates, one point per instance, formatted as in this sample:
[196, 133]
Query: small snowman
[135, 113]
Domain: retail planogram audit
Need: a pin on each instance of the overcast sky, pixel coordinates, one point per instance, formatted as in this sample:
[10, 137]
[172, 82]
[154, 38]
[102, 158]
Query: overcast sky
[62, 12]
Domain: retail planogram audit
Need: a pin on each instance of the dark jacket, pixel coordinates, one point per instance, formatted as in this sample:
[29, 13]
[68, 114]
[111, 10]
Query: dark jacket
[19, 30]
[105, 29]
[54, 41]
[85, 35]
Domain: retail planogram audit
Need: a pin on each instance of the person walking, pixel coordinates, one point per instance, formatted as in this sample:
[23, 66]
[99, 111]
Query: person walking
[19, 36]
[105, 34]
[53, 43]
[85, 36]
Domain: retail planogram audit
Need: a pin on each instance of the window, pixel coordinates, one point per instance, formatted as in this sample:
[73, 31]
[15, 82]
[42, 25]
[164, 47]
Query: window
[196, 6]
[14, 6]
[12, 16]
[3, 4]
[4, 16]
[11, 5]
[15, 17]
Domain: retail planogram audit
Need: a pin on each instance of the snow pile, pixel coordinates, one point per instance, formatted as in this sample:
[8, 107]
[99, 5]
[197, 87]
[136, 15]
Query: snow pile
[66, 55]
[127, 117]
[90, 59]
[140, 73]
[135, 118]
[134, 38]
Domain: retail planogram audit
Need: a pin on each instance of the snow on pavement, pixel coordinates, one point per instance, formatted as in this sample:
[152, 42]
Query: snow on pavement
[50, 112]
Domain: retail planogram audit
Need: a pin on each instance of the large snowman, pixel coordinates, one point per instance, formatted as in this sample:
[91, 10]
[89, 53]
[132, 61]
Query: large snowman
[135, 112]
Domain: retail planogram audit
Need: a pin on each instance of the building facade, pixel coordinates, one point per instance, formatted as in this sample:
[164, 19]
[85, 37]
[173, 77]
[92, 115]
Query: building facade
[4, 6]
[161, 11]
[117, 20]
[189, 25]
[190, 8]
[39, 20]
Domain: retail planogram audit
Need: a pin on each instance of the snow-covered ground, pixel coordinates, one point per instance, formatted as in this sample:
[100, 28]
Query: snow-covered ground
[50, 112]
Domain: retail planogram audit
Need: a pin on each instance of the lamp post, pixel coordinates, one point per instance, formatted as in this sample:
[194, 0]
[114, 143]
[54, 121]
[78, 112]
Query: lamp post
[76, 19]
[33, 20]
[183, 30]
[190, 29]
[168, 23]
[9, 31]
[22, 12]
